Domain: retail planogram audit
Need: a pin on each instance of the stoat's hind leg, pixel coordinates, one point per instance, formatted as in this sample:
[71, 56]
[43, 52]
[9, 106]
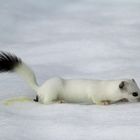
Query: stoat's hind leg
[59, 101]
[48, 101]
[104, 102]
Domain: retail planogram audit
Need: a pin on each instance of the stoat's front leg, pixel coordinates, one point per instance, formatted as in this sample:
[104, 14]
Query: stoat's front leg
[102, 102]
[105, 102]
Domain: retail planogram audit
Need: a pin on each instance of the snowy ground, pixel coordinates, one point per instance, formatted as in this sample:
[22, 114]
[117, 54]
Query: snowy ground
[73, 39]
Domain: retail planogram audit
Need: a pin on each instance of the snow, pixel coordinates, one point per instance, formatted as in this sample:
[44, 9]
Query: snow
[94, 39]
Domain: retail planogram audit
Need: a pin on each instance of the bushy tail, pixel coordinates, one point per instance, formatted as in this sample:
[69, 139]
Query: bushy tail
[11, 63]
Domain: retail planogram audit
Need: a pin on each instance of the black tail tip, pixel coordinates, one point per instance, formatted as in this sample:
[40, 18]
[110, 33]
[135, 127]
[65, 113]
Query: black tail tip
[8, 61]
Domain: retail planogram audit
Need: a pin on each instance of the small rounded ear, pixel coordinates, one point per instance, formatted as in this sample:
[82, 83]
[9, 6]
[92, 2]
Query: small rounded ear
[122, 84]
[133, 80]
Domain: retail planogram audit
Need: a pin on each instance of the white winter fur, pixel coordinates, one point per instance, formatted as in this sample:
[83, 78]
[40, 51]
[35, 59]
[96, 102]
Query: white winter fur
[85, 91]
[79, 91]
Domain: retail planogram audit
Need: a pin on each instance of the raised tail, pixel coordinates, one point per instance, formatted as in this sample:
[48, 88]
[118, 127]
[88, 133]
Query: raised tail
[11, 63]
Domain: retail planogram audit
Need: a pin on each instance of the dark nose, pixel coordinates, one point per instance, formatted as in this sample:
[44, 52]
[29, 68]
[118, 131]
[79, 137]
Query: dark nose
[135, 94]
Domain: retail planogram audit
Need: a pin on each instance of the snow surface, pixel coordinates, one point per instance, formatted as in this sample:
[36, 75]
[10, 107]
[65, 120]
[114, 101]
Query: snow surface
[97, 39]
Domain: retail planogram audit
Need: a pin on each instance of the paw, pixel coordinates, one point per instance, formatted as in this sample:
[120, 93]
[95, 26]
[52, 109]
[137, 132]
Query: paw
[107, 102]
[60, 101]
[104, 102]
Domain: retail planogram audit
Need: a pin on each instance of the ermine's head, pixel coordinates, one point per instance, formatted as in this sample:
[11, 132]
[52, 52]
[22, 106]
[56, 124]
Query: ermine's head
[130, 90]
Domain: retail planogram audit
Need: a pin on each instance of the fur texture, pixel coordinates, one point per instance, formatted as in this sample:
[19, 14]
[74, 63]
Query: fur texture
[87, 91]
[11, 63]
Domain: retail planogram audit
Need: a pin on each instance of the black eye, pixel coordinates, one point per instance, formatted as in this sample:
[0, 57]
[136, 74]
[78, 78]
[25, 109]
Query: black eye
[135, 94]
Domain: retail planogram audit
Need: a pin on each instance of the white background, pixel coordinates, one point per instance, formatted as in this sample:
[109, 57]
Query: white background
[96, 39]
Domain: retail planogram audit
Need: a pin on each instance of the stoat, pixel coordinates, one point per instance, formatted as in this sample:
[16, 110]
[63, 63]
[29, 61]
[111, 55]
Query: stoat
[70, 90]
